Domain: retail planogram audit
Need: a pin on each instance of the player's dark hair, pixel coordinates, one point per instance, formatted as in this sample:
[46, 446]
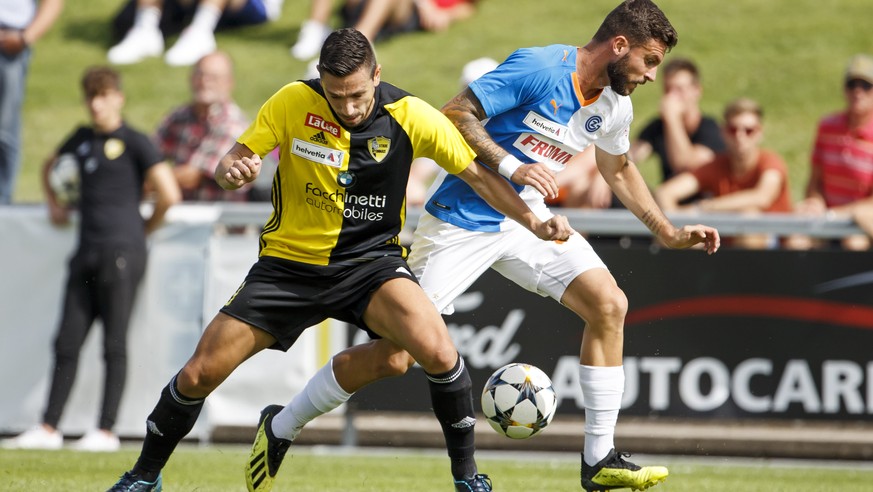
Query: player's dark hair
[98, 80]
[639, 21]
[344, 52]
[676, 65]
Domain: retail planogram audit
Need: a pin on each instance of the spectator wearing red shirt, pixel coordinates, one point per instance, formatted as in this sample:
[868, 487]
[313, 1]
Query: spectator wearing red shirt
[742, 179]
[195, 136]
[841, 178]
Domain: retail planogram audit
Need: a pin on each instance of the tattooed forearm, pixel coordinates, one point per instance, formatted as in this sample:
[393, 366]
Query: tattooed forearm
[651, 221]
[465, 111]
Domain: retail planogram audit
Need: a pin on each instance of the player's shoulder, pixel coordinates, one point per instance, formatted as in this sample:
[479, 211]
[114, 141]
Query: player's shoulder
[389, 94]
[619, 103]
[299, 90]
[555, 60]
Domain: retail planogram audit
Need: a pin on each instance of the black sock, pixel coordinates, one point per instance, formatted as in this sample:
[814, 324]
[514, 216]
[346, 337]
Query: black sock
[171, 420]
[452, 398]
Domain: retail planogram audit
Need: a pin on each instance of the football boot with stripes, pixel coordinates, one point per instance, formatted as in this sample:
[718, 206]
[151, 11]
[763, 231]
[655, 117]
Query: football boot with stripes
[614, 472]
[268, 451]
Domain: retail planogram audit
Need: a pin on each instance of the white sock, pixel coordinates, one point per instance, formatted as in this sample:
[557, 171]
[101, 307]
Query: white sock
[320, 395]
[148, 17]
[602, 388]
[206, 18]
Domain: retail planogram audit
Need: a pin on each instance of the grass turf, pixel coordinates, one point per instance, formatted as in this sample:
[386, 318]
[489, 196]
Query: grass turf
[219, 468]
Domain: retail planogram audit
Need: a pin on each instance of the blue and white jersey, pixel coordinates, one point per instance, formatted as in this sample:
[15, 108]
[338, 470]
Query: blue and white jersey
[536, 112]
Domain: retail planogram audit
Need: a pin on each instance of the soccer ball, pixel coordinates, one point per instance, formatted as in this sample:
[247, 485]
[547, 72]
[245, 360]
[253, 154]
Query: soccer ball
[518, 401]
[63, 179]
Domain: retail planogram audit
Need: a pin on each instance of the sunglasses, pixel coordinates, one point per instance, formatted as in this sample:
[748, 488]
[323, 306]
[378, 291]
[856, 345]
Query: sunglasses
[858, 84]
[747, 130]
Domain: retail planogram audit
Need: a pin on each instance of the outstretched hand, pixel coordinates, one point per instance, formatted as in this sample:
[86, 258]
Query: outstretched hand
[539, 176]
[243, 171]
[556, 228]
[691, 235]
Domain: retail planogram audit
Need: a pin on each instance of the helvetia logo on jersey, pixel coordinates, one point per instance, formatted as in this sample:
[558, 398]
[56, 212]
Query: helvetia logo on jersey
[317, 153]
[378, 147]
[319, 123]
[358, 207]
[593, 123]
[545, 126]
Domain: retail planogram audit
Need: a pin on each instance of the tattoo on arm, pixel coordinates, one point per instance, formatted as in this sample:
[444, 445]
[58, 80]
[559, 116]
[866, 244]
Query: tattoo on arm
[650, 220]
[466, 112]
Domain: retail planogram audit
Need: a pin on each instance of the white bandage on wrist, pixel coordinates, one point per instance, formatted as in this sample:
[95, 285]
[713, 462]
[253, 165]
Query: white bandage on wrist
[508, 166]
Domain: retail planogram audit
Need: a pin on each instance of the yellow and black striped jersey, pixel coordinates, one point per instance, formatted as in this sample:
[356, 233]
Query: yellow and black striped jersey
[338, 194]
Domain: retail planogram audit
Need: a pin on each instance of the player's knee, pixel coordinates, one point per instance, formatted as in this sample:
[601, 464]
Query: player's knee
[611, 309]
[197, 381]
[440, 360]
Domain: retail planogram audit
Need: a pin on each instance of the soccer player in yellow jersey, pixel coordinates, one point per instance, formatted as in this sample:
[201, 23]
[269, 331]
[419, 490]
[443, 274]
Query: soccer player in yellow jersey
[331, 250]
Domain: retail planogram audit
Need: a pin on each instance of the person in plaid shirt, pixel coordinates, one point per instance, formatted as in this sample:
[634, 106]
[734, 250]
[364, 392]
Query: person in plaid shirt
[195, 136]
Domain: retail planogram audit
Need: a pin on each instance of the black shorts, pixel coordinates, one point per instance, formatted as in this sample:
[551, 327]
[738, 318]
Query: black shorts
[284, 297]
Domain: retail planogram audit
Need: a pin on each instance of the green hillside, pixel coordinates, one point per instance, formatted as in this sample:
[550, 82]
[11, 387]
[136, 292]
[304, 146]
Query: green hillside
[788, 54]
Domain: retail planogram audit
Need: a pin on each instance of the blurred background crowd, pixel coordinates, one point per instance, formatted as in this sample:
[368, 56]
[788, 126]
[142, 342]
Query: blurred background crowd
[760, 109]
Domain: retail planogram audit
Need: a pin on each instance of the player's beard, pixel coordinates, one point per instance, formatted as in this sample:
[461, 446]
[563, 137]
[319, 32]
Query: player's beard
[619, 80]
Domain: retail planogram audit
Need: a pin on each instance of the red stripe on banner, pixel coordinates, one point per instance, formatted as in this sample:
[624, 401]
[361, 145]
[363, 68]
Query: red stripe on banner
[838, 313]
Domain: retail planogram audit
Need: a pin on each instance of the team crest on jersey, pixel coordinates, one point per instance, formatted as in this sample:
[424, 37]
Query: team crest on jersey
[593, 123]
[378, 147]
[113, 148]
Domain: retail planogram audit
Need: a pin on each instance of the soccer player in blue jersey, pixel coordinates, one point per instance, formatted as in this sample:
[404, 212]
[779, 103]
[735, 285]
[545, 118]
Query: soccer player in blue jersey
[527, 119]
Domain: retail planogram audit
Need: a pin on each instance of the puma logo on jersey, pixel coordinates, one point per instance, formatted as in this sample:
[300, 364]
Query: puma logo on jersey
[555, 107]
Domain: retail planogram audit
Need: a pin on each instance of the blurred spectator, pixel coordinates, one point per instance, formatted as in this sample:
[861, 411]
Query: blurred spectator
[682, 137]
[378, 20]
[744, 178]
[22, 23]
[841, 178]
[423, 170]
[142, 24]
[114, 161]
[196, 135]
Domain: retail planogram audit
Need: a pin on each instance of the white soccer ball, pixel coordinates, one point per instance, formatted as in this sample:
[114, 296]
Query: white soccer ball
[64, 179]
[519, 401]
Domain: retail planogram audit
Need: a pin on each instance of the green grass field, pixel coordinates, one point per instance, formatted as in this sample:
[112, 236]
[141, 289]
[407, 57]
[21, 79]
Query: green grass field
[788, 54]
[212, 468]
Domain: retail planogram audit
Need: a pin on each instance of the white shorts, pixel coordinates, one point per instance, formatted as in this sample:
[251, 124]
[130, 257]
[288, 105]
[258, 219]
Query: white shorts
[447, 259]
